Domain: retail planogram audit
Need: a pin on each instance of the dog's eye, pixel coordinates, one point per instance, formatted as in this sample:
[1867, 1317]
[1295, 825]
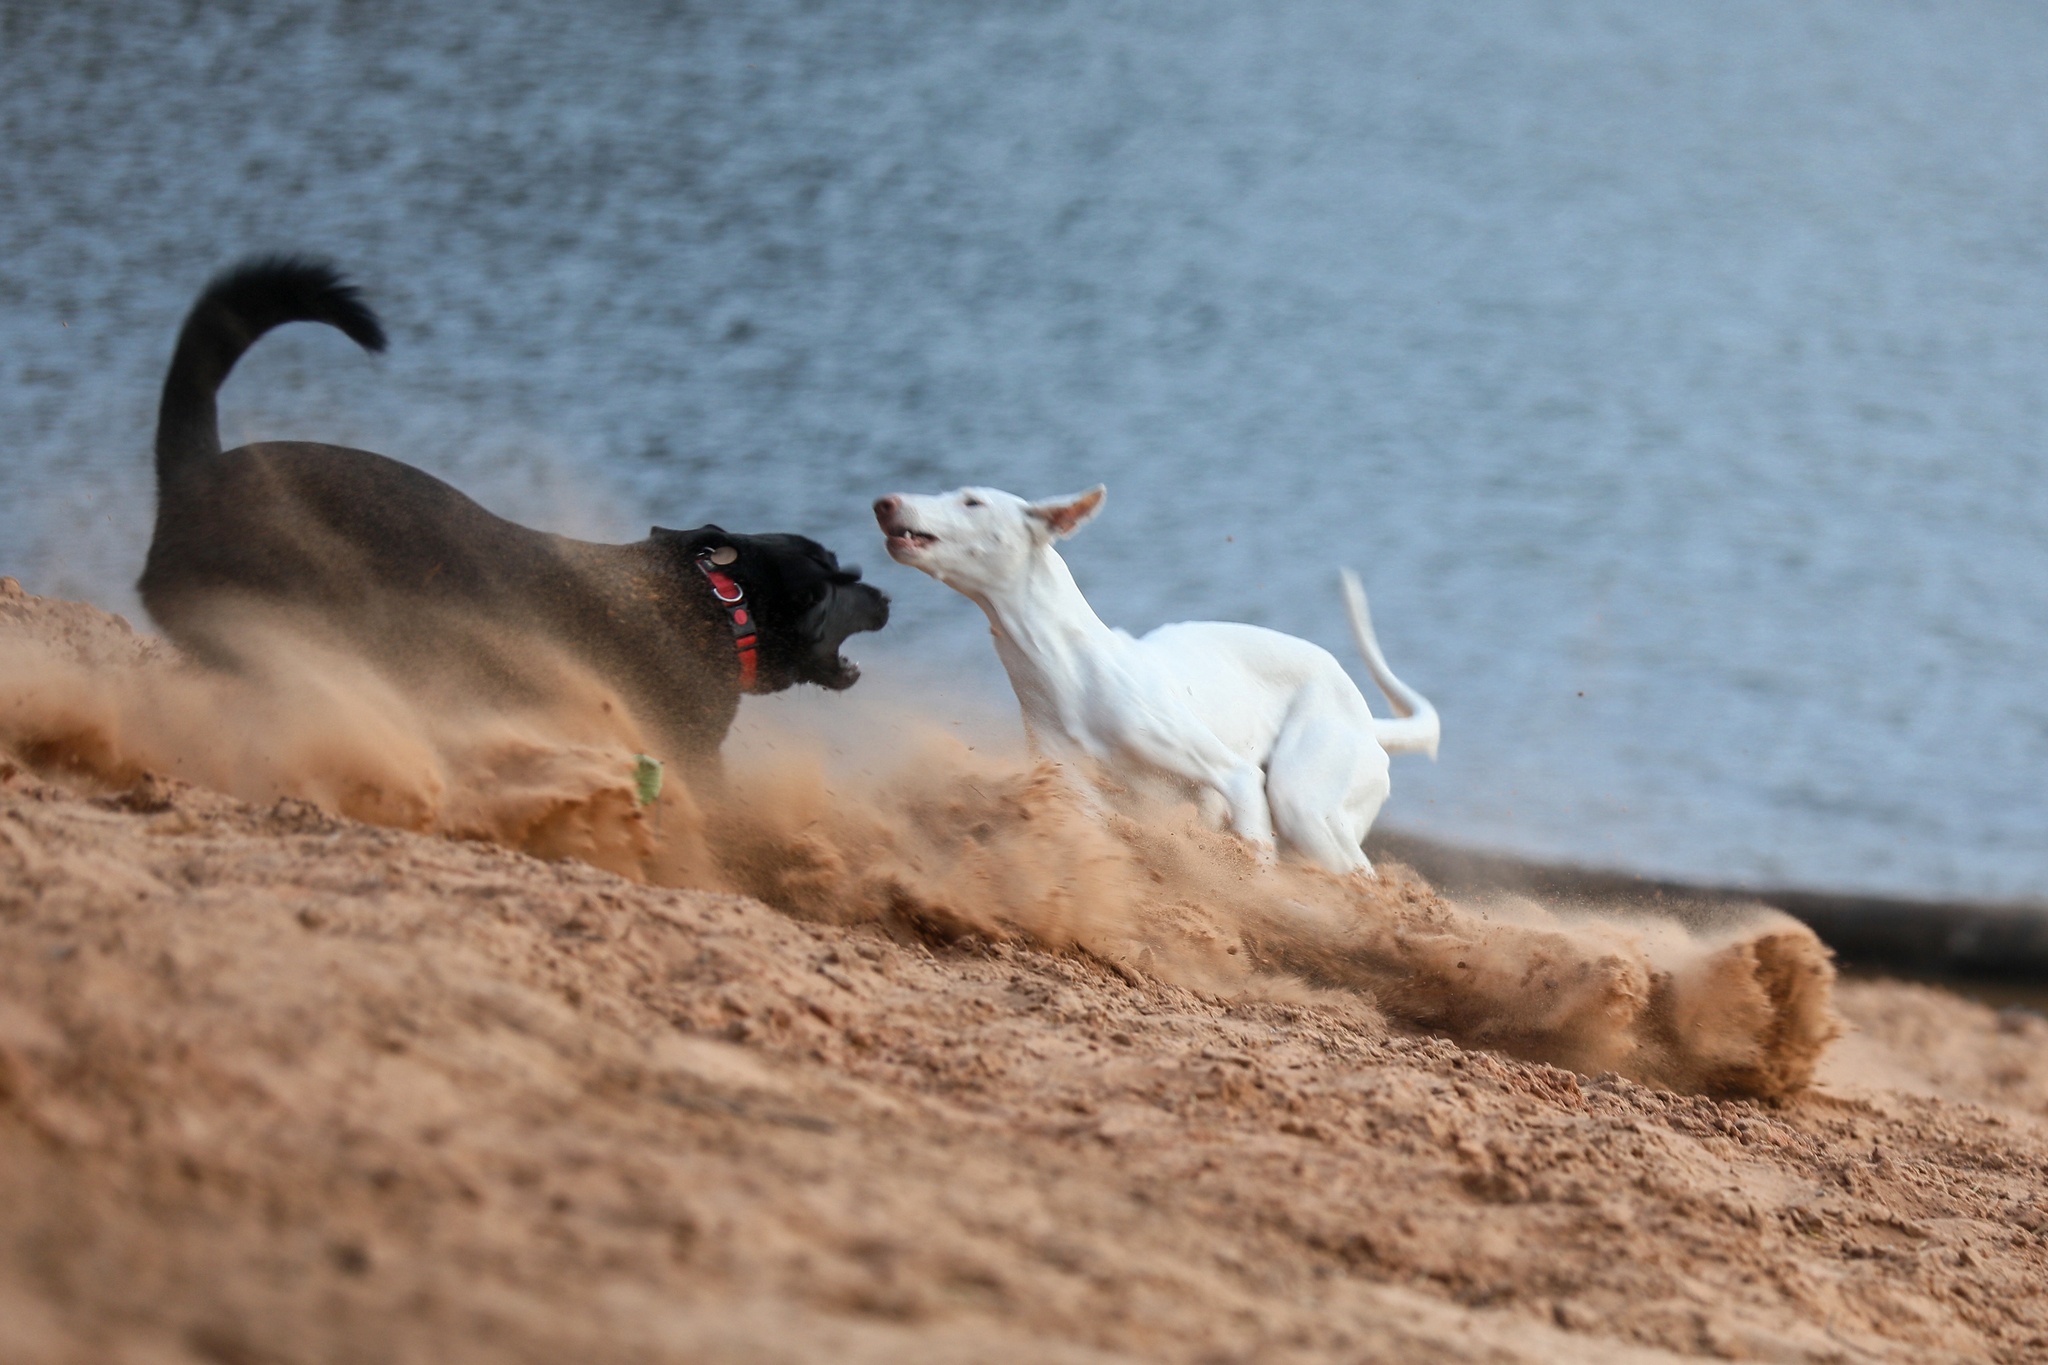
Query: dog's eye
[973, 502]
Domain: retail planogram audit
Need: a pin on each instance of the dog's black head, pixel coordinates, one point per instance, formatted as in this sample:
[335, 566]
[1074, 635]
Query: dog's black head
[803, 603]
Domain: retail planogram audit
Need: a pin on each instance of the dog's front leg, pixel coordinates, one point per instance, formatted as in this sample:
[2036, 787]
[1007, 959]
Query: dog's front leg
[1195, 756]
[1244, 790]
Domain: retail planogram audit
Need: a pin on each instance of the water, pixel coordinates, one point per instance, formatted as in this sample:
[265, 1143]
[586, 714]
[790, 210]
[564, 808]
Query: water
[1674, 375]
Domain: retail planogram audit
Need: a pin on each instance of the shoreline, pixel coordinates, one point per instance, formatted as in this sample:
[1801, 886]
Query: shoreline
[1927, 940]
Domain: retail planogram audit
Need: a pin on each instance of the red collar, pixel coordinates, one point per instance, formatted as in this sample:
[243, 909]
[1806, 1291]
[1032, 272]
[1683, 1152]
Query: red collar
[745, 639]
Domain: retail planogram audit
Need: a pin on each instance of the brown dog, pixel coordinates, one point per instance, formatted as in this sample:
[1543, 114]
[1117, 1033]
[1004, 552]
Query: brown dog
[400, 567]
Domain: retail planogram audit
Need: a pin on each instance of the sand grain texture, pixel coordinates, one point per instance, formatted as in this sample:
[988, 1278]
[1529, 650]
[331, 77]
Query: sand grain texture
[278, 1085]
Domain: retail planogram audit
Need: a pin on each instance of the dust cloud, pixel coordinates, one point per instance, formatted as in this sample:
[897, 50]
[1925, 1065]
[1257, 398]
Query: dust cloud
[923, 830]
[858, 810]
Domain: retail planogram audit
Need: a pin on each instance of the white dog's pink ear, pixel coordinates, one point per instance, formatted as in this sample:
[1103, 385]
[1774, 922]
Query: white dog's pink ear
[1064, 516]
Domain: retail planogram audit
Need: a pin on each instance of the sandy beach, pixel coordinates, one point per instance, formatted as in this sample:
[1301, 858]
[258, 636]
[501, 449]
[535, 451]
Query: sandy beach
[929, 1072]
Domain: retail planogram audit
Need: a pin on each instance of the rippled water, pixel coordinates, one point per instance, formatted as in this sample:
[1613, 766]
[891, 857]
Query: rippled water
[1674, 376]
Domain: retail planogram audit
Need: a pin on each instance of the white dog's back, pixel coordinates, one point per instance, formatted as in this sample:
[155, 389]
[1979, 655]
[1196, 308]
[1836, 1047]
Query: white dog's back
[1219, 665]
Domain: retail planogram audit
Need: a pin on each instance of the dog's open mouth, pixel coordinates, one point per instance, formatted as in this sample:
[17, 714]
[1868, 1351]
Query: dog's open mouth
[846, 609]
[903, 538]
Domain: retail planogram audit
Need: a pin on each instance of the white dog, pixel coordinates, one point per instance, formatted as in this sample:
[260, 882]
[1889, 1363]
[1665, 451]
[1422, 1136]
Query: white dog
[1269, 727]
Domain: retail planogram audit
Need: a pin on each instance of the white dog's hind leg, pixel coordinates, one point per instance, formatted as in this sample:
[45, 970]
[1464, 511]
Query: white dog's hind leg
[1325, 782]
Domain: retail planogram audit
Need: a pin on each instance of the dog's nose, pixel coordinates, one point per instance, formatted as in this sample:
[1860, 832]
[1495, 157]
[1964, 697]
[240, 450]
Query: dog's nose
[887, 507]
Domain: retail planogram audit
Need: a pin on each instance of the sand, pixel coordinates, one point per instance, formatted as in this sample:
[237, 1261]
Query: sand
[941, 1067]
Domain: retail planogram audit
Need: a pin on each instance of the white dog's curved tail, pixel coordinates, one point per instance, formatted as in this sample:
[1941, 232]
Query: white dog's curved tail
[1418, 729]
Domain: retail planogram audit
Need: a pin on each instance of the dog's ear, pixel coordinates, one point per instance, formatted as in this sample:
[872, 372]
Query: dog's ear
[690, 544]
[1064, 516]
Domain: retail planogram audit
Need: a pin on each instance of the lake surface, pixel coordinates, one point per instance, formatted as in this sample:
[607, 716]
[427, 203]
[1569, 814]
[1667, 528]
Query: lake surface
[1674, 376]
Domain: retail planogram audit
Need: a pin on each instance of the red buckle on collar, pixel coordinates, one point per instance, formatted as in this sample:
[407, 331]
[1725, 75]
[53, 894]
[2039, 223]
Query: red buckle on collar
[746, 638]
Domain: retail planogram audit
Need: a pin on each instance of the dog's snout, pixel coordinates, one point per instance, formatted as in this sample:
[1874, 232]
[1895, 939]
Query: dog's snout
[888, 506]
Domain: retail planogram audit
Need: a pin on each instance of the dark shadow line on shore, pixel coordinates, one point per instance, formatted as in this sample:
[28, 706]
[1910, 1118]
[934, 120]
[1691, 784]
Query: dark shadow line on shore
[1925, 939]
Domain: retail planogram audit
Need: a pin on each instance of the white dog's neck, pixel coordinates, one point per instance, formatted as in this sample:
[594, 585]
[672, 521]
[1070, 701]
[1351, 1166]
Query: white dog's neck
[1047, 637]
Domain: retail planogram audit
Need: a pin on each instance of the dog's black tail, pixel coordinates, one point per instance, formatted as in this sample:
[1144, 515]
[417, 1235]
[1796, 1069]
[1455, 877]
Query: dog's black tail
[239, 305]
